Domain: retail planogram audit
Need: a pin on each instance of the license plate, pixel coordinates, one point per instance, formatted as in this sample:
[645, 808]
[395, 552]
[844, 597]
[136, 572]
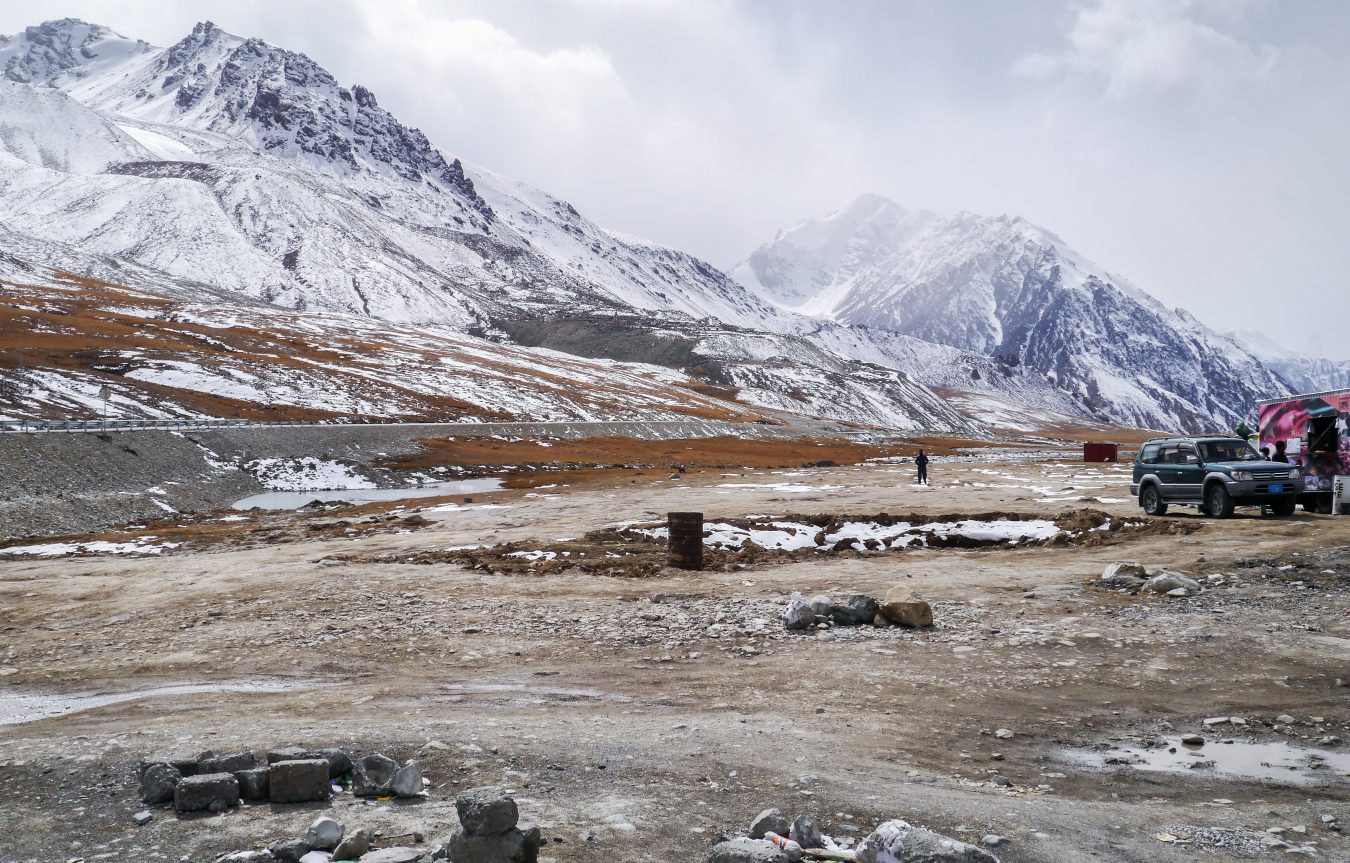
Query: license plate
[1276, 487]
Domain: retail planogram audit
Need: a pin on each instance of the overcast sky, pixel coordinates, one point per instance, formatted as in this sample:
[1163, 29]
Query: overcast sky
[1197, 147]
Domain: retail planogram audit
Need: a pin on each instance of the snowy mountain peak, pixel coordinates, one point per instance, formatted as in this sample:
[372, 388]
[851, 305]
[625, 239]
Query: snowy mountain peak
[247, 91]
[1004, 287]
[56, 51]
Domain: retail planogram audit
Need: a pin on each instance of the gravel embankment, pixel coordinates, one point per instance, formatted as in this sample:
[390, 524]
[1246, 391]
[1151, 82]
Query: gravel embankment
[61, 483]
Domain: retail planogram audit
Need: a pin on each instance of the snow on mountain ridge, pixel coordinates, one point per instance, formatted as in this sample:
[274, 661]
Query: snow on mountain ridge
[1003, 287]
[55, 52]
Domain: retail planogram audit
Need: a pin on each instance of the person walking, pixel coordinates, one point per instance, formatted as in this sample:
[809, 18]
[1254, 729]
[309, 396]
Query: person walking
[921, 462]
[1280, 454]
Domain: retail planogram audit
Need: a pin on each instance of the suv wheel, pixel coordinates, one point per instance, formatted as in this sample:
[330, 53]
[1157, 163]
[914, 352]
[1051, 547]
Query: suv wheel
[1284, 507]
[1151, 500]
[1218, 502]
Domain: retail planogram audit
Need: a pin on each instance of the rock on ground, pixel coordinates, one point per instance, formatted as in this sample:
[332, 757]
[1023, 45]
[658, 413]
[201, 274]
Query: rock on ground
[407, 782]
[231, 763]
[373, 775]
[206, 792]
[903, 607]
[1166, 582]
[746, 851]
[900, 842]
[158, 782]
[1124, 569]
[289, 850]
[805, 833]
[488, 811]
[298, 781]
[798, 614]
[324, 832]
[511, 846]
[338, 762]
[399, 854]
[253, 784]
[769, 821]
[353, 846]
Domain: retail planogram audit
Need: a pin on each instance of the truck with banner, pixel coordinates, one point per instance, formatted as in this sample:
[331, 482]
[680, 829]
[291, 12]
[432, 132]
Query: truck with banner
[1311, 430]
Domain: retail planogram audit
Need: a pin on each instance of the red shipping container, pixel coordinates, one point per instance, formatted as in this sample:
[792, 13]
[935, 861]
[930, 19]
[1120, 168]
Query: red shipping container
[1099, 452]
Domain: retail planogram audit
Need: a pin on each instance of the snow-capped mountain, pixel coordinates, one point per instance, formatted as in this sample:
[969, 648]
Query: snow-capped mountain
[1006, 289]
[1306, 374]
[223, 166]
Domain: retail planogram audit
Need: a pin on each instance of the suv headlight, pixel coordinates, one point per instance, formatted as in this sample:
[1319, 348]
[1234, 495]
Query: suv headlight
[1242, 475]
[1293, 473]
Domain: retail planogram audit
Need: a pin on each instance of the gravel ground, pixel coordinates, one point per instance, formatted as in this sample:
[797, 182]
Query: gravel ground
[638, 718]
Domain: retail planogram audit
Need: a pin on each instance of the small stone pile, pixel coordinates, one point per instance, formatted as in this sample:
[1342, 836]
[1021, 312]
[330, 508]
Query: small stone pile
[214, 783]
[773, 839]
[900, 607]
[488, 831]
[1132, 577]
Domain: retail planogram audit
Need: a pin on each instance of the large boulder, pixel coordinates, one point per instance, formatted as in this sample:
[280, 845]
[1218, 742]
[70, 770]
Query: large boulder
[373, 776]
[746, 851]
[769, 821]
[206, 792]
[903, 607]
[158, 782]
[901, 842]
[488, 811]
[510, 846]
[298, 781]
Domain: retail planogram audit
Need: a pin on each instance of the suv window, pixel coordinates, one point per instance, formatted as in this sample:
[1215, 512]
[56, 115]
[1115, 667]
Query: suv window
[1168, 454]
[1187, 455]
[1149, 454]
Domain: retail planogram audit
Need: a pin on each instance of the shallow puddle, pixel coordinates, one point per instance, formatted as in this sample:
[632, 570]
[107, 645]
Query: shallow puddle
[1274, 761]
[17, 708]
[297, 499]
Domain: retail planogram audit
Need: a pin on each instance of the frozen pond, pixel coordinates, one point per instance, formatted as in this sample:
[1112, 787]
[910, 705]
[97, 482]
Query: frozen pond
[297, 499]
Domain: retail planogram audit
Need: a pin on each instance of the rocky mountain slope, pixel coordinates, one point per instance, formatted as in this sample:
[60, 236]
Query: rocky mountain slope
[1005, 289]
[1305, 374]
[227, 168]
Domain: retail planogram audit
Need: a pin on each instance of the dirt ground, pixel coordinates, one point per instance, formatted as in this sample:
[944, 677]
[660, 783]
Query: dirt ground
[639, 718]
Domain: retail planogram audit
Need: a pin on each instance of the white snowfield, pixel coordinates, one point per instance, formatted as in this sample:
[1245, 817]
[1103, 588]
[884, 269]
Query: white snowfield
[140, 546]
[305, 474]
[792, 536]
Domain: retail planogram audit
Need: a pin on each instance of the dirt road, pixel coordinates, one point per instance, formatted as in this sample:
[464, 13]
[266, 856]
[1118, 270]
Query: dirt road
[637, 719]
